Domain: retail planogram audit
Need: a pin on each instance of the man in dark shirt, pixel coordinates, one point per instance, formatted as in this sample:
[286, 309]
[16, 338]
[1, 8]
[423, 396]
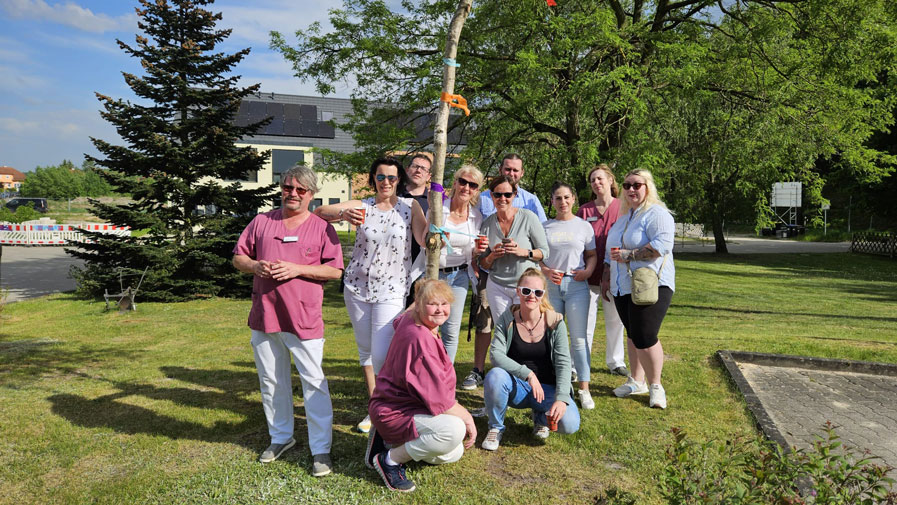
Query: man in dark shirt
[417, 186]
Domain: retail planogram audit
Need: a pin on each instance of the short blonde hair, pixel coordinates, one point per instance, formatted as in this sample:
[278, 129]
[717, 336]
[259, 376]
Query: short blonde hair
[651, 197]
[474, 174]
[544, 303]
[427, 290]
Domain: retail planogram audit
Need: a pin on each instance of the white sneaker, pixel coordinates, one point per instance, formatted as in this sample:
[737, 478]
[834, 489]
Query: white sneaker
[573, 376]
[365, 425]
[585, 399]
[493, 439]
[658, 397]
[631, 387]
[541, 431]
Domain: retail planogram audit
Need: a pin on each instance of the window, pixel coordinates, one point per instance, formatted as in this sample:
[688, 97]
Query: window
[333, 201]
[283, 160]
[315, 204]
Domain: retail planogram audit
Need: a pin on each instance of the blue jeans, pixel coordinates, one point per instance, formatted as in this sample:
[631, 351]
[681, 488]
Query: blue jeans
[458, 281]
[502, 390]
[571, 299]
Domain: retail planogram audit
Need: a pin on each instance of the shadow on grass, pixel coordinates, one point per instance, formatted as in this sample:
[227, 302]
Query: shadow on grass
[785, 313]
[219, 390]
[27, 360]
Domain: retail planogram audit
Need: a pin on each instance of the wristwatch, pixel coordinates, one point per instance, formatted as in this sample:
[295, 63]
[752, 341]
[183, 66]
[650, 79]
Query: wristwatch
[530, 254]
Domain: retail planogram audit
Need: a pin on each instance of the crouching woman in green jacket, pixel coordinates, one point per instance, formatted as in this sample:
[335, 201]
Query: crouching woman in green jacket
[532, 365]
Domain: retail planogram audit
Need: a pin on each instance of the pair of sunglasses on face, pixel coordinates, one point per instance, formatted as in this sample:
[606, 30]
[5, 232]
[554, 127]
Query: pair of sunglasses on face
[289, 189]
[530, 291]
[381, 178]
[503, 195]
[464, 182]
[634, 185]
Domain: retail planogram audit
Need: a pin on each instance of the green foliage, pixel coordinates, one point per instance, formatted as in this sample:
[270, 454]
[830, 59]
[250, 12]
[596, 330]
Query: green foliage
[719, 100]
[65, 181]
[24, 213]
[180, 147]
[758, 471]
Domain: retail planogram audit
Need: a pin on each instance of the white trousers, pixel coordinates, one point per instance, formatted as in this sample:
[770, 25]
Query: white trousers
[500, 298]
[272, 360]
[372, 325]
[613, 329]
[440, 441]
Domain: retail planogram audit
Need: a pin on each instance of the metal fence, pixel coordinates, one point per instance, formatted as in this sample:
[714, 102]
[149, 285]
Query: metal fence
[874, 243]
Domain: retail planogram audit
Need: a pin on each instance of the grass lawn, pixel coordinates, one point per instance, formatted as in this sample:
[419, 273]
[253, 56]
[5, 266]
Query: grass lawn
[162, 405]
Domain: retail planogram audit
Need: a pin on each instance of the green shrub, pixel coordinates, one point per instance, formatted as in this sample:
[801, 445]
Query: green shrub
[759, 471]
[24, 213]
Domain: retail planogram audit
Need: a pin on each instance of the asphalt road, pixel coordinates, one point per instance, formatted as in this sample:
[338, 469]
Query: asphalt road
[754, 245]
[29, 272]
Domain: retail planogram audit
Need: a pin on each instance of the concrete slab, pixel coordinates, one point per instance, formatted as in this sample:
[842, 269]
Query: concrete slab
[792, 397]
[29, 272]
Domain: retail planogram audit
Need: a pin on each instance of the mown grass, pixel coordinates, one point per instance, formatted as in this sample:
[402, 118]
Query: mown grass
[162, 405]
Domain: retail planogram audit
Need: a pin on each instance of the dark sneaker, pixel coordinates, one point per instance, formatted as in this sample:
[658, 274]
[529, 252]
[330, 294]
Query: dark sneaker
[321, 465]
[275, 450]
[393, 475]
[620, 370]
[473, 380]
[376, 445]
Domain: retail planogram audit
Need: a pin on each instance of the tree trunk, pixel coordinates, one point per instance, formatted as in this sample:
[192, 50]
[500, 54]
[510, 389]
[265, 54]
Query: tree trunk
[719, 237]
[434, 243]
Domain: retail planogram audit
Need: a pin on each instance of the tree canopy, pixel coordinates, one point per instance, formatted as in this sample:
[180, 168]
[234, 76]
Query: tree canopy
[180, 164]
[722, 95]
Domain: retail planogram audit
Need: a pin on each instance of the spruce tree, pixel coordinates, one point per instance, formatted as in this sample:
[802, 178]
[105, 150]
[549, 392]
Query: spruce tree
[179, 157]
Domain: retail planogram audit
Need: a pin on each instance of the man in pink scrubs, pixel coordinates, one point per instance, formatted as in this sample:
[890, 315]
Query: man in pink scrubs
[291, 252]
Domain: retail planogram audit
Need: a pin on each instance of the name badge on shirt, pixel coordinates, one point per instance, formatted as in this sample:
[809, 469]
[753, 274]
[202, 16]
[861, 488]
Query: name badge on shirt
[291, 239]
[591, 219]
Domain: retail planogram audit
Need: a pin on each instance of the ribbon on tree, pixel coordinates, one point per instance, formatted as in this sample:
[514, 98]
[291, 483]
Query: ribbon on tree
[451, 100]
[451, 62]
[438, 230]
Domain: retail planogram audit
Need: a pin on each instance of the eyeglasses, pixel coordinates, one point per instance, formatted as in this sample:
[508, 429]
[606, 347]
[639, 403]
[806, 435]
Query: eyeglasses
[464, 182]
[381, 178]
[422, 168]
[634, 185]
[503, 195]
[530, 291]
[289, 189]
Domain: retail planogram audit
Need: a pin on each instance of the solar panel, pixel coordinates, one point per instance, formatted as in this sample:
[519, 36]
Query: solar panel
[291, 111]
[291, 127]
[308, 112]
[244, 108]
[275, 110]
[309, 128]
[257, 108]
[275, 127]
[326, 131]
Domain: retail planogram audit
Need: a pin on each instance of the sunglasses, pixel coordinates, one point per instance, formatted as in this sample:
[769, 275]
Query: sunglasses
[289, 189]
[530, 291]
[634, 185]
[464, 182]
[381, 178]
[503, 195]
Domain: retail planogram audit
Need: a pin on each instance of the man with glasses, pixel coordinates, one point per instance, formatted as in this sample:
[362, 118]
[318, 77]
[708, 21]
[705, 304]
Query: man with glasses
[417, 186]
[512, 167]
[291, 253]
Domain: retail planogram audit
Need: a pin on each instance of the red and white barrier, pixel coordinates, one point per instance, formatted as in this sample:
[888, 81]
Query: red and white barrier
[53, 234]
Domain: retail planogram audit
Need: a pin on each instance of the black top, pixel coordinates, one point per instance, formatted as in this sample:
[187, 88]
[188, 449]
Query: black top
[425, 205]
[536, 356]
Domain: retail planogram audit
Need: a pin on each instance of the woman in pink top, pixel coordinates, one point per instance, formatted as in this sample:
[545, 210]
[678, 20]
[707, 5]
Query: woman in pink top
[413, 407]
[602, 213]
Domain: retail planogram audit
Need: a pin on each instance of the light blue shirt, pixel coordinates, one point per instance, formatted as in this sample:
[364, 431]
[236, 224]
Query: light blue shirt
[655, 227]
[523, 200]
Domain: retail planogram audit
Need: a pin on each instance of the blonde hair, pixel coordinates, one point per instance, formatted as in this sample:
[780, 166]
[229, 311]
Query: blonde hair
[544, 303]
[650, 195]
[614, 188]
[427, 290]
[477, 177]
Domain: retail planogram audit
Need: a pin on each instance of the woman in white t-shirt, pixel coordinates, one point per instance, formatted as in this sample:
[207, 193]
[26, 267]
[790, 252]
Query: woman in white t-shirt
[571, 261]
[461, 220]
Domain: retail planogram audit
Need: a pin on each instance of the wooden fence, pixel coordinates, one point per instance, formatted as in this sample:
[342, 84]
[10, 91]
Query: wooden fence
[874, 243]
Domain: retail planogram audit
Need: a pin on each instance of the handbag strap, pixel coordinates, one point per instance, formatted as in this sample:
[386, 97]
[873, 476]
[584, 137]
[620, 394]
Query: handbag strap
[662, 263]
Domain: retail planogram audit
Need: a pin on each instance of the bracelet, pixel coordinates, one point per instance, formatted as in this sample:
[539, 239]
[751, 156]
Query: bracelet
[340, 215]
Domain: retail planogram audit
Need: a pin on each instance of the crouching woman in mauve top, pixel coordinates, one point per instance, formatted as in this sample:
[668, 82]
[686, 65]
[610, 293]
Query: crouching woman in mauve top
[413, 407]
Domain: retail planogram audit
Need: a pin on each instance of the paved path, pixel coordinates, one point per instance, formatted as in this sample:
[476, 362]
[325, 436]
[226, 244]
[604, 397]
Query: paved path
[799, 401]
[752, 245]
[28, 272]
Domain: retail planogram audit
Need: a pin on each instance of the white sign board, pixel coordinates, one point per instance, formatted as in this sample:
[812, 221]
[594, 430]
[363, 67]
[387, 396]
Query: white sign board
[786, 194]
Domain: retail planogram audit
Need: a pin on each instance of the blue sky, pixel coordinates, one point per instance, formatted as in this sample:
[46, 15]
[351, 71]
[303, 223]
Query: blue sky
[55, 54]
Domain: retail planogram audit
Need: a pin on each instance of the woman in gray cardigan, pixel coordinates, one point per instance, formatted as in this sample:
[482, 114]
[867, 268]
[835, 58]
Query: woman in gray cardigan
[532, 365]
